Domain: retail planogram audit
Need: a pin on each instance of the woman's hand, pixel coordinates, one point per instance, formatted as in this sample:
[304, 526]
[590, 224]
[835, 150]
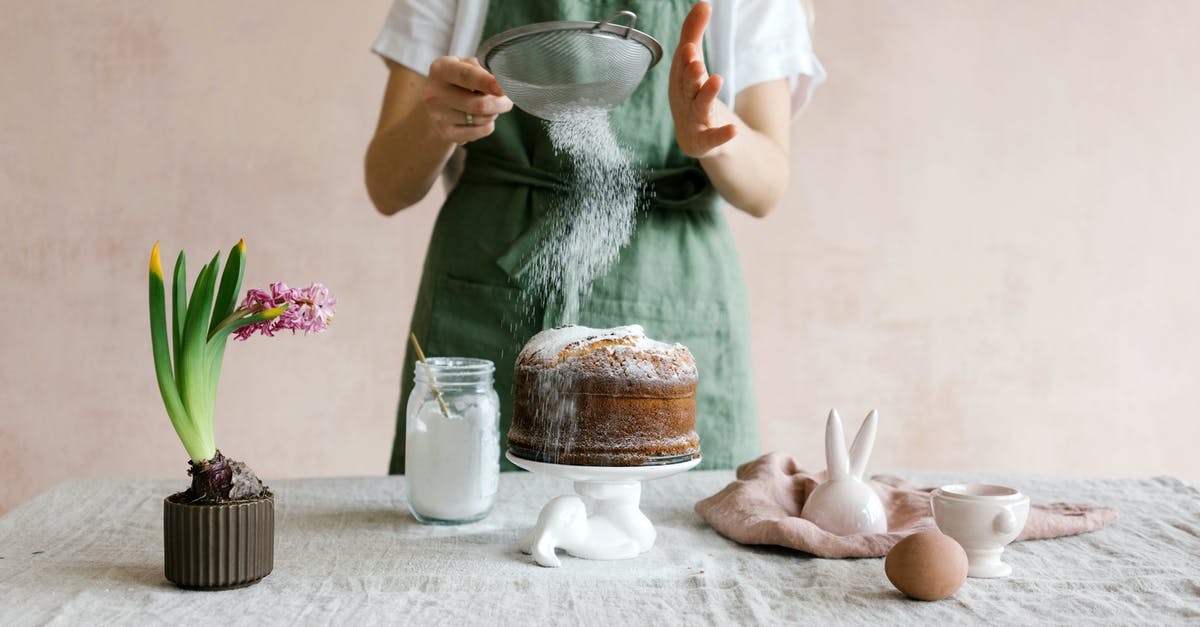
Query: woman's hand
[744, 152]
[462, 99]
[421, 120]
[702, 123]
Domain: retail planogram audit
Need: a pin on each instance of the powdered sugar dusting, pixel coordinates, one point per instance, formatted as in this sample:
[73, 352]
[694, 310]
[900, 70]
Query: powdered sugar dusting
[590, 220]
[549, 344]
[630, 354]
[576, 384]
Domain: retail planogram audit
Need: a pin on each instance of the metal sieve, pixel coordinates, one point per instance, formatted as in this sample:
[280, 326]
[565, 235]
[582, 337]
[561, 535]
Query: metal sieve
[552, 68]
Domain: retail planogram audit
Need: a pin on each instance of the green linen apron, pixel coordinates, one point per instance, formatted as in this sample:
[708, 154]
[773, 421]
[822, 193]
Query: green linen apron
[679, 276]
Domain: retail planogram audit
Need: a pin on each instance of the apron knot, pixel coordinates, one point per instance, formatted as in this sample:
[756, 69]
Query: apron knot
[680, 188]
[683, 188]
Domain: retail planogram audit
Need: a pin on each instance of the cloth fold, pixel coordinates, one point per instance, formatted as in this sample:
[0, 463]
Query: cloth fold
[763, 507]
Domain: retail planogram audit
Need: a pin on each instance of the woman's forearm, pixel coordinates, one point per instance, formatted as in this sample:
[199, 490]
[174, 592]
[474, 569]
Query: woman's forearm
[421, 121]
[750, 171]
[403, 162]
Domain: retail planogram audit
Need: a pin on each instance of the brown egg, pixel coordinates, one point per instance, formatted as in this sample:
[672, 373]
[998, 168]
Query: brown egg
[929, 566]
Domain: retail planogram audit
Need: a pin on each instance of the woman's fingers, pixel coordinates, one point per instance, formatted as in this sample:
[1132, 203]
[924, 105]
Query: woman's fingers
[695, 23]
[452, 125]
[691, 37]
[463, 134]
[451, 118]
[454, 97]
[701, 136]
[692, 77]
[707, 95]
[714, 137]
[464, 73]
[462, 99]
[693, 92]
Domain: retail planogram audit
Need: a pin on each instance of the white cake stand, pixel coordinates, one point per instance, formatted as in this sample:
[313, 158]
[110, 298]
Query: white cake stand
[601, 521]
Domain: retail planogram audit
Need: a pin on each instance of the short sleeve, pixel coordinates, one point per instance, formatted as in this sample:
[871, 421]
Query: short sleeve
[771, 41]
[417, 32]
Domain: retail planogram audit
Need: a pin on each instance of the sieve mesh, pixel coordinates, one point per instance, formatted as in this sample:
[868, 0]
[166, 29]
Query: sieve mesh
[553, 68]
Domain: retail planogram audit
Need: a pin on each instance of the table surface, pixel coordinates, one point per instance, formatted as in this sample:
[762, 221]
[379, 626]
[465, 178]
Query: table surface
[347, 551]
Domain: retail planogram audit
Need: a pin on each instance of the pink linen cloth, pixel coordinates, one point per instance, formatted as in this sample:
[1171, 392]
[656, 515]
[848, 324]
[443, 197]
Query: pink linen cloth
[763, 507]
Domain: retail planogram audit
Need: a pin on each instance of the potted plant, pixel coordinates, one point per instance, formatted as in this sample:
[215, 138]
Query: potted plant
[220, 532]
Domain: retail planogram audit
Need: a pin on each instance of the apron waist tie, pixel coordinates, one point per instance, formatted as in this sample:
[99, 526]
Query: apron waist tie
[683, 188]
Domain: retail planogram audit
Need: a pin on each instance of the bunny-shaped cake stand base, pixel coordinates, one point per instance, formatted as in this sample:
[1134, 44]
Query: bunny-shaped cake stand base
[844, 504]
[601, 521]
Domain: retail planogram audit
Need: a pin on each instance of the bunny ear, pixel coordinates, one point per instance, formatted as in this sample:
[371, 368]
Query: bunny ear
[860, 451]
[835, 447]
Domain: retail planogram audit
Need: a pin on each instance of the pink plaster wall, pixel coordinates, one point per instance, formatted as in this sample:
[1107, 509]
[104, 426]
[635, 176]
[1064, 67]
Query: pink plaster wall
[990, 235]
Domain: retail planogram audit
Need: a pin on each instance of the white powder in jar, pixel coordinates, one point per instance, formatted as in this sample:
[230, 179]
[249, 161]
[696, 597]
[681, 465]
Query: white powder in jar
[452, 466]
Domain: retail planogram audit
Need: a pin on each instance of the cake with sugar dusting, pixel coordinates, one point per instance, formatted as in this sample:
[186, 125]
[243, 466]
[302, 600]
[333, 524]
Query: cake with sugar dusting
[604, 397]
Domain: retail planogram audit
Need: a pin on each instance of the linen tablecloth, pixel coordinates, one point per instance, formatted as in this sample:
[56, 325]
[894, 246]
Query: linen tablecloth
[348, 552]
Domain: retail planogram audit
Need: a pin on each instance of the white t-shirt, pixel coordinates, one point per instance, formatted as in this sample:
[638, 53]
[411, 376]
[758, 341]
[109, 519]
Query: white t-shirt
[749, 41]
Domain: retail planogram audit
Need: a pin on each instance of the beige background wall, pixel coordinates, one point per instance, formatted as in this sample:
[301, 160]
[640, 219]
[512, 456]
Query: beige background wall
[990, 235]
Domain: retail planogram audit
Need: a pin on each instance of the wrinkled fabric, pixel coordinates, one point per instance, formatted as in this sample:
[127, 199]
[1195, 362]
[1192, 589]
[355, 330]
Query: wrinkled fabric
[348, 553]
[763, 507]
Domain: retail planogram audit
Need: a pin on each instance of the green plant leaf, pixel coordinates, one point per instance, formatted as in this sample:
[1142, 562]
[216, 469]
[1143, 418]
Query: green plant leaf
[231, 285]
[180, 419]
[218, 337]
[178, 305]
[227, 295]
[216, 355]
[194, 387]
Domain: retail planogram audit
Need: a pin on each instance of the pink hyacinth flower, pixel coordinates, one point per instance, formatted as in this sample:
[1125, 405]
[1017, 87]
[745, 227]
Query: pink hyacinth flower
[309, 309]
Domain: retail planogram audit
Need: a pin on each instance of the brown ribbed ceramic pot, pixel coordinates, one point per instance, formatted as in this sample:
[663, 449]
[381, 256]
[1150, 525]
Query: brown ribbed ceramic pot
[213, 547]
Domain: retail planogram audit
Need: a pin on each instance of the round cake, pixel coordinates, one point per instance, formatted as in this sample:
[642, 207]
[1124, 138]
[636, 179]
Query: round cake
[604, 397]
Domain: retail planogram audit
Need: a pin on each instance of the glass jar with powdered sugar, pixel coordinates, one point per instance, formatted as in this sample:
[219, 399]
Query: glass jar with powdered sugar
[452, 450]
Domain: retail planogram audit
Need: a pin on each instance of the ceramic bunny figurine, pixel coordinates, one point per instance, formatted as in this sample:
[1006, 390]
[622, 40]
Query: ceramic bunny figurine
[844, 504]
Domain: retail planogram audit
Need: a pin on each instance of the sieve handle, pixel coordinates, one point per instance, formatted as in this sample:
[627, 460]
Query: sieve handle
[619, 14]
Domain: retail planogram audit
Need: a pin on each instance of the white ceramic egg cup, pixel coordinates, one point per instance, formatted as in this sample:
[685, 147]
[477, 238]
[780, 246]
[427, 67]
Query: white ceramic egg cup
[983, 519]
[602, 520]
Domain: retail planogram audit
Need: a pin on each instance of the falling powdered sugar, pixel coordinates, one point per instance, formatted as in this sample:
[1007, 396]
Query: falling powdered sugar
[591, 219]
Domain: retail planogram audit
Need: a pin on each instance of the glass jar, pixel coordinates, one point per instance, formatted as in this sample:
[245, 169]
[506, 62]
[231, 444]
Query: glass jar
[452, 448]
